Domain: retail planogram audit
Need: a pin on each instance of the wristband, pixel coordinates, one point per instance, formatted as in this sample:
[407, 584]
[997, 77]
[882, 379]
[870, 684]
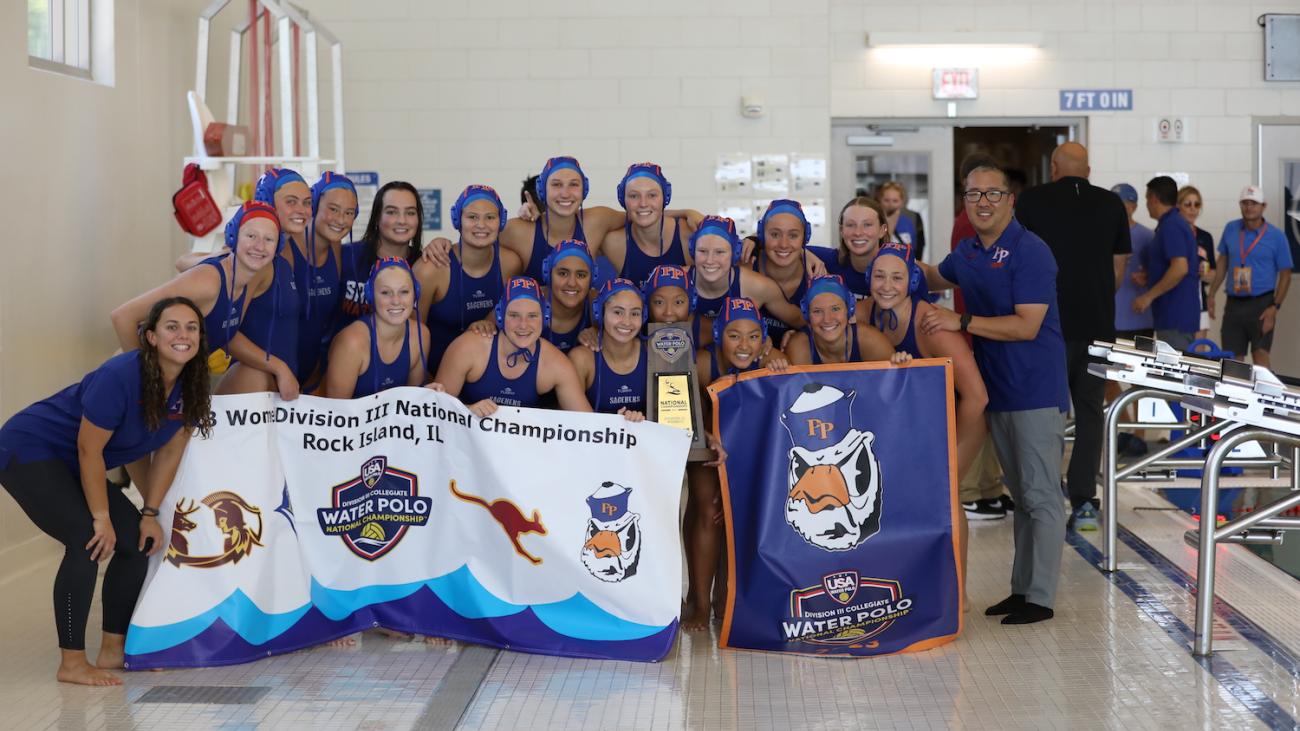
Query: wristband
[1277, 305]
[148, 512]
[965, 321]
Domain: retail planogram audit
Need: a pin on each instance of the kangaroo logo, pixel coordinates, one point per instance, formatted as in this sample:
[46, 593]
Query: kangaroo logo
[510, 517]
[612, 548]
[239, 524]
[834, 496]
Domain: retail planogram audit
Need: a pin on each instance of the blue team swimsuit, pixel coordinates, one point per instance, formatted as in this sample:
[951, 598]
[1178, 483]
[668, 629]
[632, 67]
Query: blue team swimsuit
[908, 344]
[566, 340]
[612, 391]
[637, 265]
[354, 271]
[855, 280]
[710, 306]
[271, 322]
[468, 300]
[776, 328]
[319, 302]
[222, 321]
[542, 248]
[521, 391]
[855, 352]
[381, 376]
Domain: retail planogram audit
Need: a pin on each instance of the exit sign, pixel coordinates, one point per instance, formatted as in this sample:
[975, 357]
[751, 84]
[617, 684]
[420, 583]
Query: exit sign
[956, 83]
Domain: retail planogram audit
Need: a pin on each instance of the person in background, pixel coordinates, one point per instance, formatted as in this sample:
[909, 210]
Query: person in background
[893, 196]
[1189, 206]
[1255, 260]
[1130, 325]
[1086, 228]
[1172, 297]
[980, 490]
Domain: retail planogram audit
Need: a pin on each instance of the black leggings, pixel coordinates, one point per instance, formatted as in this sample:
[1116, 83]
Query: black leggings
[51, 496]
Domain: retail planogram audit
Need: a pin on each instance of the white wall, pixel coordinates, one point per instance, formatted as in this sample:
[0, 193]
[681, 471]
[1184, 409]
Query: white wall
[1198, 59]
[88, 175]
[444, 93]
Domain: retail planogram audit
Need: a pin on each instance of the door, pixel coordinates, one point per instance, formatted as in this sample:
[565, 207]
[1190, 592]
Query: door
[865, 155]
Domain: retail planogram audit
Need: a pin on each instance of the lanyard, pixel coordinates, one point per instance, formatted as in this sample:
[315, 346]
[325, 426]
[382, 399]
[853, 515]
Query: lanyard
[1241, 241]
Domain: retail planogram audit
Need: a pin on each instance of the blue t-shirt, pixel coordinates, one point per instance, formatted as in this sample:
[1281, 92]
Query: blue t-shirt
[109, 397]
[1125, 317]
[906, 230]
[1018, 269]
[1271, 255]
[1179, 308]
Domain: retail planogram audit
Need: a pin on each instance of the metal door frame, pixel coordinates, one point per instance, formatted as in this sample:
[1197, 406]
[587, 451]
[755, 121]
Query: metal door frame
[941, 199]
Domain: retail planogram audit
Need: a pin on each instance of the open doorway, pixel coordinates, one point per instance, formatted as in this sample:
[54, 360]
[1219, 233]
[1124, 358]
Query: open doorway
[925, 156]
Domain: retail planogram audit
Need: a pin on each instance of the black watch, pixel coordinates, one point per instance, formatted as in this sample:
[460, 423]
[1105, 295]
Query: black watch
[965, 321]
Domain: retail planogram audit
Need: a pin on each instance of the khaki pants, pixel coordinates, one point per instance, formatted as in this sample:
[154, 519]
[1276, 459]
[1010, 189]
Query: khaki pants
[983, 481]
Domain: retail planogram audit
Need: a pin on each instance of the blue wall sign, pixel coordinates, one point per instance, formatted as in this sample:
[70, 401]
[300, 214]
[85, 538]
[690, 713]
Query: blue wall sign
[431, 200]
[1075, 100]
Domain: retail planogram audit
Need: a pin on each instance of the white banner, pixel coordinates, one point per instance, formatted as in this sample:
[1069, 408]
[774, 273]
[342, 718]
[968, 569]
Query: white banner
[302, 521]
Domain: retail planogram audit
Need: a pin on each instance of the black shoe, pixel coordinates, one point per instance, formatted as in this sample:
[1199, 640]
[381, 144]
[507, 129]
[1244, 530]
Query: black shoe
[1129, 445]
[1006, 503]
[1029, 613]
[1010, 605]
[983, 510]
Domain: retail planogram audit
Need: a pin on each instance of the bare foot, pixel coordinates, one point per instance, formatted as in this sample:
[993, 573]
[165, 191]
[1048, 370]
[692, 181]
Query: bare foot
[393, 634]
[110, 658]
[75, 668]
[437, 641]
[695, 619]
[112, 652]
[350, 642]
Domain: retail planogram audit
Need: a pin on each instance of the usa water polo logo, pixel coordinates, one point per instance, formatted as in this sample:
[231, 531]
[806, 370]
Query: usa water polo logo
[612, 549]
[834, 477]
[670, 342]
[844, 609]
[238, 530]
[372, 511]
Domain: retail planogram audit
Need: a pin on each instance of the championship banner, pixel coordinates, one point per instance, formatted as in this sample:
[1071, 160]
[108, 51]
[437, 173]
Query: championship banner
[300, 522]
[839, 490]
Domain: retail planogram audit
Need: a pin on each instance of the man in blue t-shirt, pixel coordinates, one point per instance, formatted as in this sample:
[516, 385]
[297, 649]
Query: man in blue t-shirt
[1008, 278]
[1173, 298]
[1129, 324]
[1255, 259]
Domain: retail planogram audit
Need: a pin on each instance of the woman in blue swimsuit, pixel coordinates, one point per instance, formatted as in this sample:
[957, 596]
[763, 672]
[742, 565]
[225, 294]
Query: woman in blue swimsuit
[462, 296]
[615, 376]
[221, 287]
[649, 237]
[385, 349]
[516, 366]
[832, 335]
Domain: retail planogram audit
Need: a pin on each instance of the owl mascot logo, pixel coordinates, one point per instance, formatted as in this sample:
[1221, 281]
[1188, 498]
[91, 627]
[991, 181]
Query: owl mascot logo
[834, 478]
[613, 545]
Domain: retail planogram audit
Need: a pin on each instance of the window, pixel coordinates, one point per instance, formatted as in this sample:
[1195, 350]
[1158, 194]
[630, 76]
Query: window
[59, 36]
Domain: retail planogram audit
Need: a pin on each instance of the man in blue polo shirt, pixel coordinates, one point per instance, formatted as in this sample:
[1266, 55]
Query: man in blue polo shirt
[1255, 259]
[1007, 276]
[1173, 298]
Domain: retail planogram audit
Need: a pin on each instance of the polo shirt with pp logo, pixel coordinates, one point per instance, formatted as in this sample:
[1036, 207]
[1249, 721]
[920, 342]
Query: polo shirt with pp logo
[1017, 270]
